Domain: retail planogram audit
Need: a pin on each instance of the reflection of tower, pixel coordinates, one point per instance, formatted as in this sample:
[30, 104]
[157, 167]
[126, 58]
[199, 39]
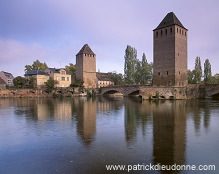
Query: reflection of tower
[169, 121]
[86, 118]
[86, 66]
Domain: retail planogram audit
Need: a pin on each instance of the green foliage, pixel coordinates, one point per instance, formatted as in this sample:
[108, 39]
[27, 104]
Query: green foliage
[19, 81]
[78, 83]
[207, 71]
[198, 70]
[31, 82]
[157, 94]
[129, 67]
[117, 78]
[136, 71]
[71, 68]
[50, 84]
[36, 65]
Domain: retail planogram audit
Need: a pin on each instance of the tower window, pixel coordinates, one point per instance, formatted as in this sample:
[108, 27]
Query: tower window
[179, 72]
[161, 32]
[177, 30]
[166, 31]
[182, 32]
[171, 30]
[158, 73]
[185, 33]
[167, 72]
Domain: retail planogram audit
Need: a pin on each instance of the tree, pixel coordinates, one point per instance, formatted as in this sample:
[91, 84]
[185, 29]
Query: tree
[207, 71]
[117, 78]
[50, 84]
[146, 70]
[191, 77]
[19, 81]
[31, 82]
[130, 63]
[138, 72]
[36, 65]
[71, 68]
[198, 70]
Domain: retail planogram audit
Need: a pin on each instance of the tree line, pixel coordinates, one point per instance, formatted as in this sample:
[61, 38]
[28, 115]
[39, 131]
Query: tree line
[197, 76]
[136, 71]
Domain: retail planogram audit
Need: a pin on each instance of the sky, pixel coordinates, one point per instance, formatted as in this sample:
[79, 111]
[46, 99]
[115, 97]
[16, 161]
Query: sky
[54, 31]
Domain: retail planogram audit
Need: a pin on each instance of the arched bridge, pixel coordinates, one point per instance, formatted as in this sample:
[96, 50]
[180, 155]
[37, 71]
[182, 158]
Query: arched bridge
[126, 90]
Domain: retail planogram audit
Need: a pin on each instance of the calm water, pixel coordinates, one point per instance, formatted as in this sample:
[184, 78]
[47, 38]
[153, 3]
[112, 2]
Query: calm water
[83, 135]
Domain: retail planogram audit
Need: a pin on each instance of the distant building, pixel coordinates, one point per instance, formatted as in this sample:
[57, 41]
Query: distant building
[62, 76]
[7, 77]
[104, 79]
[86, 67]
[2, 84]
[170, 53]
[40, 76]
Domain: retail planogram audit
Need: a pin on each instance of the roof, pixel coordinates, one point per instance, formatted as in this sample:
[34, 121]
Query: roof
[36, 72]
[7, 74]
[2, 81]
[170, 19]
[57, 70]
[104, 76]
[85, 50]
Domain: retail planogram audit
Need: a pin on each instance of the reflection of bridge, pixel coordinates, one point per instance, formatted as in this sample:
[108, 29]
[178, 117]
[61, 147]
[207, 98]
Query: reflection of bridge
[124, 89]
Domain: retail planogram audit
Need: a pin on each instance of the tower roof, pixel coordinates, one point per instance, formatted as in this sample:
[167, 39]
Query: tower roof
[85, 50]
[170, 19]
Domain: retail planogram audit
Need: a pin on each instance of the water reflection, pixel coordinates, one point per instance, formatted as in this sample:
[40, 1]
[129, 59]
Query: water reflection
[155, 132]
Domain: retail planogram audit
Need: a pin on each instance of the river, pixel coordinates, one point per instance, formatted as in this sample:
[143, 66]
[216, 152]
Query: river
[82, 135]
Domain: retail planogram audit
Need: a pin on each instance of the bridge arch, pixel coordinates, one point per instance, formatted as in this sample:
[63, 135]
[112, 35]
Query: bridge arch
[112, 91]
[134, 93]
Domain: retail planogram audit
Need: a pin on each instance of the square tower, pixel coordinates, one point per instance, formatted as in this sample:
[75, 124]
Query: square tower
[170, 53]
[86, 66]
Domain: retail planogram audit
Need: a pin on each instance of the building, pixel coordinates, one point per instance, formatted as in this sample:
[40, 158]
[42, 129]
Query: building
[104, 79]
[86, 67]
[62, 76]
[2, 84]
[170, 53]
[40, 76]
[7, 77]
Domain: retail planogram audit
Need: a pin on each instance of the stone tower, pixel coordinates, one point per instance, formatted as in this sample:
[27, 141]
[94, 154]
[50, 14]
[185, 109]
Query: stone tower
[170, 53]
[86, 66]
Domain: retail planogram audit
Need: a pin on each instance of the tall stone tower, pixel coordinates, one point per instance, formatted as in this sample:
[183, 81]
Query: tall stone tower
[86, 66]
[170, 53]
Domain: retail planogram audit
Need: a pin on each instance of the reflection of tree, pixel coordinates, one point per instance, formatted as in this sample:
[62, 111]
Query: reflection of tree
[136, 115]
[199, 109]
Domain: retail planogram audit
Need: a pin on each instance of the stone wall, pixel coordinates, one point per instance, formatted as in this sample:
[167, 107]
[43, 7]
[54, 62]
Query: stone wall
[189, 92]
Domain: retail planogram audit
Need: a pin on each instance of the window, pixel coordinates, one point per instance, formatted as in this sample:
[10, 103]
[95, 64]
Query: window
[62, 72]
[171, 30]
[158, 73]
[63, 78]
[185, 33]
[67, 78]
[179, 72]
[177, 30]
[182, 32]
[166, 31]
[167, 72]
[161, 32]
